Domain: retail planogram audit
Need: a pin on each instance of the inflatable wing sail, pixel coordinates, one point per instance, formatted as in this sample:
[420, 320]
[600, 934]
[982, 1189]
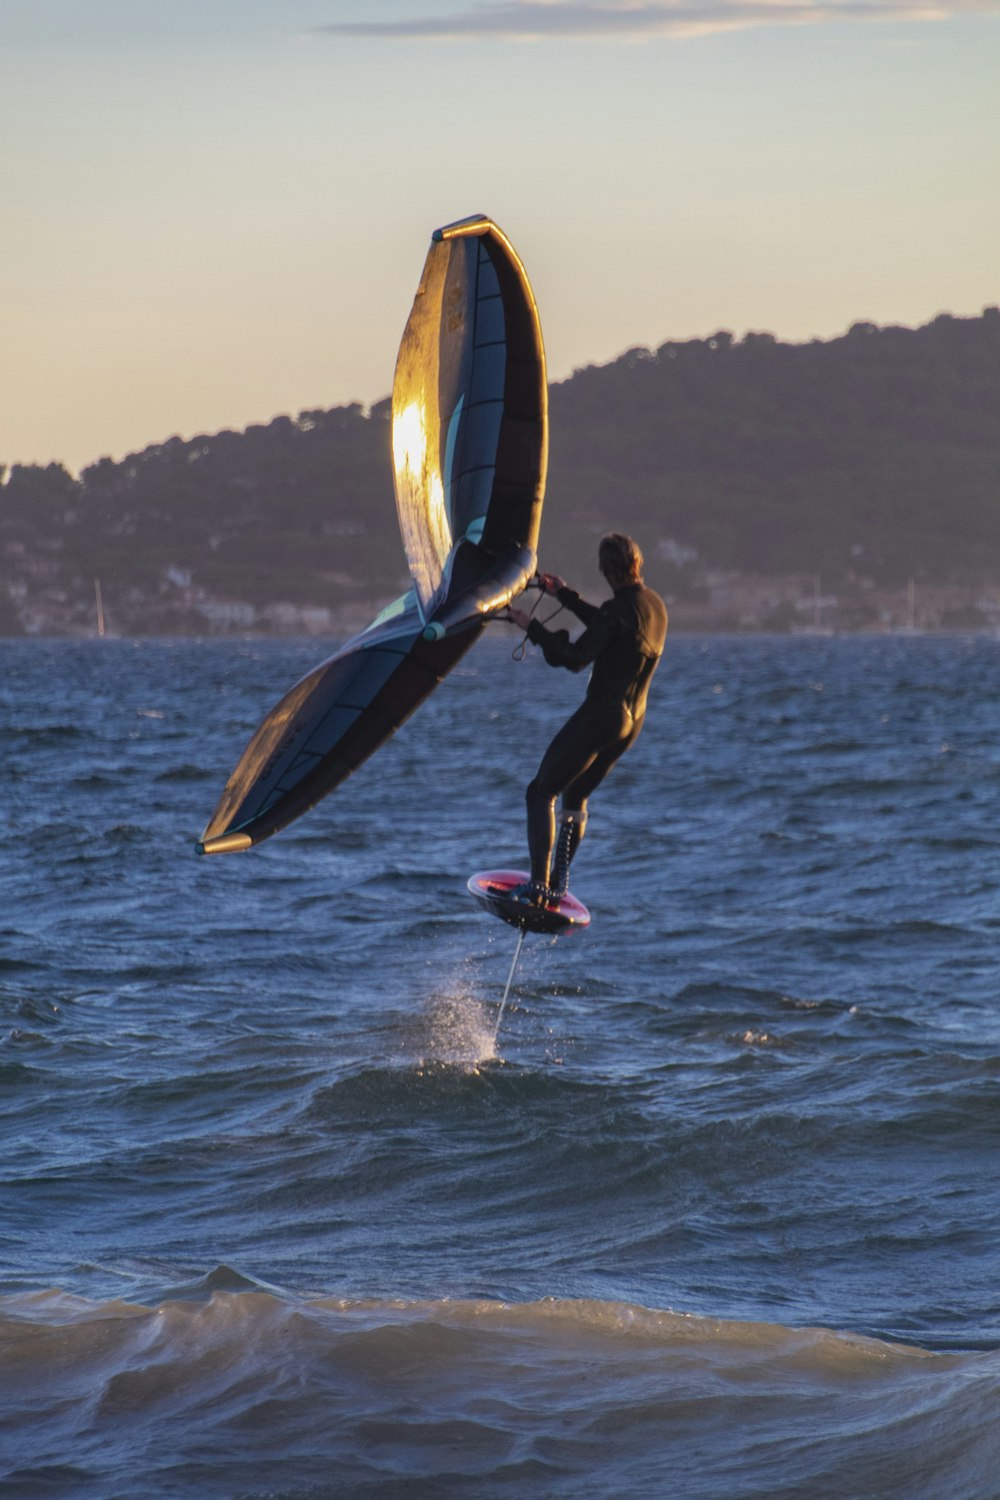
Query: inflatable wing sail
[469, 443]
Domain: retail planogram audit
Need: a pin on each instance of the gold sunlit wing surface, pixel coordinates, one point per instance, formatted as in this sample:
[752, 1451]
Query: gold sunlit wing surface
[470, 447]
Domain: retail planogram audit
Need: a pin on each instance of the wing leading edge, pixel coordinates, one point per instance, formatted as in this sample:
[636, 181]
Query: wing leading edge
[470, 452]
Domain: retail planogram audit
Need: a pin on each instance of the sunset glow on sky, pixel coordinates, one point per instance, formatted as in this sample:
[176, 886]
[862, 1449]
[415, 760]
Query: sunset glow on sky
[216, 211]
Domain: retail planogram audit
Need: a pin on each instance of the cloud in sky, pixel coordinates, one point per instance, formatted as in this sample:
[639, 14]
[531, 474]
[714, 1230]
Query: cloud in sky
[632, 20]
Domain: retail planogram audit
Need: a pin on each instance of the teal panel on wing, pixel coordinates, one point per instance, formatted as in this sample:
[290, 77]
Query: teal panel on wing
[473, 492]
[450, 450]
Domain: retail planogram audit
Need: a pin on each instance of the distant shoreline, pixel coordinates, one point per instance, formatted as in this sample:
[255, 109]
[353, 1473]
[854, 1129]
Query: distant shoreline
[334, 641]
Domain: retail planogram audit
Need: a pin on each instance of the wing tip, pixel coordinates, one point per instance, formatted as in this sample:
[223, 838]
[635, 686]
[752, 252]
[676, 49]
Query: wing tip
[473, 224]
[224, 843]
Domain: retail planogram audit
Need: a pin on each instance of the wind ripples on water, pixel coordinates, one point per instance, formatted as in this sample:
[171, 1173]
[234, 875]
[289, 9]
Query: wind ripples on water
[284, 1213]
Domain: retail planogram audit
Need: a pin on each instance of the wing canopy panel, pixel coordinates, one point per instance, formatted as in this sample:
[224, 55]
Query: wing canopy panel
[469, 409]
[324, 727]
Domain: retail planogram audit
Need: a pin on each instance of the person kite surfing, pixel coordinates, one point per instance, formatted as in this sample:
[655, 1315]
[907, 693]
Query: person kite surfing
[622, 643]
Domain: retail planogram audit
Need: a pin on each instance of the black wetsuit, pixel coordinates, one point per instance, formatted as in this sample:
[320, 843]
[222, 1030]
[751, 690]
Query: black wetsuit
[624, 642]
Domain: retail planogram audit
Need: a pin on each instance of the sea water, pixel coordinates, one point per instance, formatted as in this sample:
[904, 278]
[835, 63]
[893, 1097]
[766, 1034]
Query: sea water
[716, 1212]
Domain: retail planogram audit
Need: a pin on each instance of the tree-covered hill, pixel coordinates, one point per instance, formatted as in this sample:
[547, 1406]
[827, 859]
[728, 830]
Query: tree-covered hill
[873, 455]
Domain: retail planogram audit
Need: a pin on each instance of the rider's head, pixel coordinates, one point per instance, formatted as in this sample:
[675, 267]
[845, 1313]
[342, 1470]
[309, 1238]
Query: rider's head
[620, 559]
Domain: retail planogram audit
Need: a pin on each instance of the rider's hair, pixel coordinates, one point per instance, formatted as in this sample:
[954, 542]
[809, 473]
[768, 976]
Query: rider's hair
[619, 554]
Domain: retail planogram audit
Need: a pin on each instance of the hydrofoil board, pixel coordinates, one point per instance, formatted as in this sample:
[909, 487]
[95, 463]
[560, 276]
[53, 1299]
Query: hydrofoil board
[492, 888]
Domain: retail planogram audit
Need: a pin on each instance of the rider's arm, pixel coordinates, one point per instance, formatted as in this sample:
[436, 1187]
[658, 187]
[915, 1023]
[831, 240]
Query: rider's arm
[570, 599]
[560, 651]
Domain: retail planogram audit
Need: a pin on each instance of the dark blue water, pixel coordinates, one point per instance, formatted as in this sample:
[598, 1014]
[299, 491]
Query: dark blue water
[716, 1213]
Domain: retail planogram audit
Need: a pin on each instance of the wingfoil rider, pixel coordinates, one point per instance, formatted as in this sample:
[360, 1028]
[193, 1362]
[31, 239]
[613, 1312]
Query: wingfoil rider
[622, 643]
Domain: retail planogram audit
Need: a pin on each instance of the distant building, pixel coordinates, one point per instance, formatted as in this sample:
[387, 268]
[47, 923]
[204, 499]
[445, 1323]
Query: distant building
[228, 614]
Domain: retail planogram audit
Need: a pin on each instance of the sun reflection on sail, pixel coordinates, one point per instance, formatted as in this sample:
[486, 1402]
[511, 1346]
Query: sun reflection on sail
[409, 439]
[418, 474]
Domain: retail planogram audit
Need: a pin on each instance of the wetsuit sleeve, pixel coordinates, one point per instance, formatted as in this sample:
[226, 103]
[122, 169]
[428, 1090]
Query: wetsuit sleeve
[560, 651]
[570, 599]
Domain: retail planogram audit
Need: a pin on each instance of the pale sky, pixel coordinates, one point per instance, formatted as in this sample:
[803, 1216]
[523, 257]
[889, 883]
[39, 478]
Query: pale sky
[216, 211]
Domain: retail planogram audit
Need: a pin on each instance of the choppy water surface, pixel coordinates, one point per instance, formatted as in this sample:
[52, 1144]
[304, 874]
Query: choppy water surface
[716, 1213]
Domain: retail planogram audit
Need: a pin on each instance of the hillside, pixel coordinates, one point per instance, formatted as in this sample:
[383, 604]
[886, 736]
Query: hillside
[867, 460]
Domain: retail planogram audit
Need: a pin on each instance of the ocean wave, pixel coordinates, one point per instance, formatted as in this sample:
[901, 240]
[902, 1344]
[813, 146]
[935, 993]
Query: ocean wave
[577, 1397]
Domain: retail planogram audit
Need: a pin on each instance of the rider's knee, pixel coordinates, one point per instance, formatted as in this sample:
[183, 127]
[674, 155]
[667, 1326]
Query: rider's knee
[538, 794]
